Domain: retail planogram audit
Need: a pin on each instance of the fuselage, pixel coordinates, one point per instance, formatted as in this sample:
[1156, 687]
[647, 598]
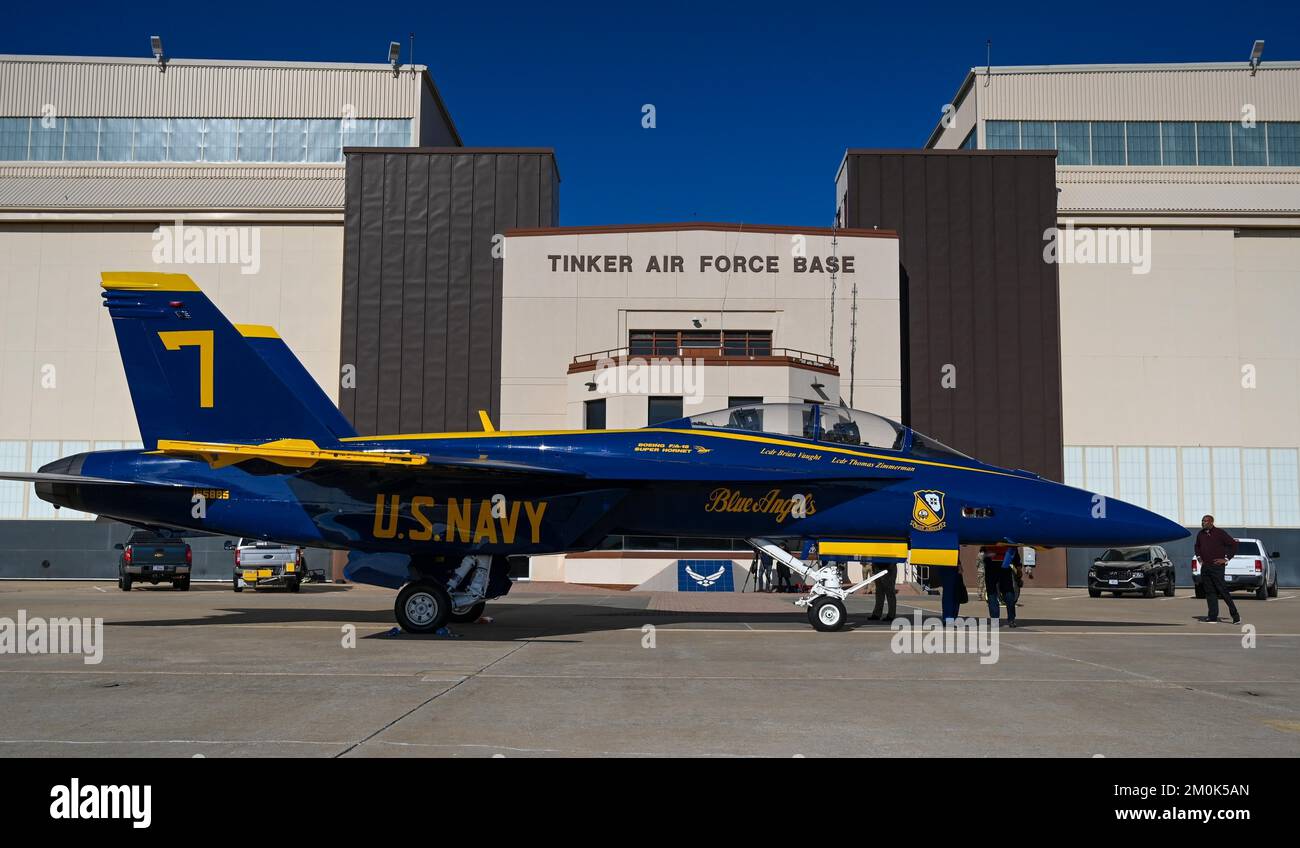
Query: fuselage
[677, 481]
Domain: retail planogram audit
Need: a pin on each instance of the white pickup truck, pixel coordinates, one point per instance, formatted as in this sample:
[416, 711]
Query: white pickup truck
[263, 565]
[1252, 568]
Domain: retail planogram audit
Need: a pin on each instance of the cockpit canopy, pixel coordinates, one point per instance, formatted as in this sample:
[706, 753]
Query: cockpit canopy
[826, 423]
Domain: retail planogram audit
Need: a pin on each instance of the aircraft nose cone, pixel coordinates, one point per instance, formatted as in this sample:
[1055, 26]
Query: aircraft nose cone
[1138, 526]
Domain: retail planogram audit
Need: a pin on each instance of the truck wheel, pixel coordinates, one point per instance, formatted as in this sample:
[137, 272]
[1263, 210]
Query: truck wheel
[124, 582]
[470, 615]
[238, 588]
[422, 607]
[181, 585]
[1272, 590]
[293, 585]
[1094, 593]
[827, 615]
[1262, 592]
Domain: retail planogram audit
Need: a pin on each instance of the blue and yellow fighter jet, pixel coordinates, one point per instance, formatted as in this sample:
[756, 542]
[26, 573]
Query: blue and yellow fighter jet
[239, 440]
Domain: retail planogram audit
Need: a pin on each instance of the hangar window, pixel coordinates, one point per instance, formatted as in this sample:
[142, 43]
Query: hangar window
[1205, 143]
[194, 139]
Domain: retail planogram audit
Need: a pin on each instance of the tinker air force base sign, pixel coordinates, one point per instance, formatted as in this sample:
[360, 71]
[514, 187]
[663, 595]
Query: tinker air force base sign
[799, 263]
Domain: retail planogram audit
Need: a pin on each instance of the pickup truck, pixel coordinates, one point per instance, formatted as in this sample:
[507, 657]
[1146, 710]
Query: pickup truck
[263, 565]
[151, 558]
[1251, 569]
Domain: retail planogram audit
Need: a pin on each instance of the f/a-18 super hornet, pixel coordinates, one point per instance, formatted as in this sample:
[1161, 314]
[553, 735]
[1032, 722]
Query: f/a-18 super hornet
[239, 440]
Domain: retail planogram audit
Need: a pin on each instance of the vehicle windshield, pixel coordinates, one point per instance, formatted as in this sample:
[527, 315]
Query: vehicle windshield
[1127, 555]
[824, 423]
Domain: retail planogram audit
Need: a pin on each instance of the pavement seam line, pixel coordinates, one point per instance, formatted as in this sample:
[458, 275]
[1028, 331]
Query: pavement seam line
[428, 701]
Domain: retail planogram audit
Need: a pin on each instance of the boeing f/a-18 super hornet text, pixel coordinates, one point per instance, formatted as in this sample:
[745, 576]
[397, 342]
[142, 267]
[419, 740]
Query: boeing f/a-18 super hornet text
[239, 440]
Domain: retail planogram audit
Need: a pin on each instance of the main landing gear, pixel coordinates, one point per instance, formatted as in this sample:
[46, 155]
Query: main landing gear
[427, 604]
[825, 598]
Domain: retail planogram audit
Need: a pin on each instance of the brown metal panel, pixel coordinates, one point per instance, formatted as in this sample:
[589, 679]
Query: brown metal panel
[392, 262]
[457, 411]
[482, 336]
[437, 294]
[369, 258]
[351, 295]
[961, 295]
[508, 216]
[414, 292]
[984, 440]
[423, 319]
[936, 195]
[976, 294]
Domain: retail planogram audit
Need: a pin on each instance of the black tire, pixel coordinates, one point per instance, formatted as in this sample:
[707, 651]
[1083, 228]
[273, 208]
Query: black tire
[470, 615]
[1170, 586]
[124, 582]
[293, 585]
[181, 585]
[827, 615]
[1094, 593]
[1149, 590]
[422, 607]
[1262, 592]
[235, 581]
[1117, 594]
[1200, 591]
[1272, 590]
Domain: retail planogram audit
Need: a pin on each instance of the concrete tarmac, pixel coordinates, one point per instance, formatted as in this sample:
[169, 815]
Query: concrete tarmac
[572, 671]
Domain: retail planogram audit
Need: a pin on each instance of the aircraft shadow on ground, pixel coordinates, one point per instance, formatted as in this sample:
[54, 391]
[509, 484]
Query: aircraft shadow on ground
[512, 622]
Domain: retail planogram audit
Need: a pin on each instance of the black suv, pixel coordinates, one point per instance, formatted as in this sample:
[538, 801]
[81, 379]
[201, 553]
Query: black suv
[1143, 570]
[150, 558]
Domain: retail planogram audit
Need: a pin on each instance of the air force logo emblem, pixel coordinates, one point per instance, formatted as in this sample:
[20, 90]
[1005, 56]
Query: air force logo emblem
[927, 510]
[705, 580]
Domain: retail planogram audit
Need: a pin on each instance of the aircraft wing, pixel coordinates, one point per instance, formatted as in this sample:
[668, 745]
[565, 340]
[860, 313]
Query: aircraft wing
[304, 453]
[44, 477]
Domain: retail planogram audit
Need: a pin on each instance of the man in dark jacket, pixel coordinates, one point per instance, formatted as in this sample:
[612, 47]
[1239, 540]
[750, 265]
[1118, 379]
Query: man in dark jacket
[886, 592]
[1214, 548]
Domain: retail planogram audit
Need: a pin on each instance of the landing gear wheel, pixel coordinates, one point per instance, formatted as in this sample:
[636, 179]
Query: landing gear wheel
[827, 615]
[422, 607]
[470, 615]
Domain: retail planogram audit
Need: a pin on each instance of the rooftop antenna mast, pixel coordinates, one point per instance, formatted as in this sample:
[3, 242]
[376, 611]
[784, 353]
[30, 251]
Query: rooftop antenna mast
[988, 61]
[853, 336]
[834, 232]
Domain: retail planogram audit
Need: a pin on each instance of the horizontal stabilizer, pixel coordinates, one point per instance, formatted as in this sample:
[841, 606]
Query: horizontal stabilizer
[45, 477]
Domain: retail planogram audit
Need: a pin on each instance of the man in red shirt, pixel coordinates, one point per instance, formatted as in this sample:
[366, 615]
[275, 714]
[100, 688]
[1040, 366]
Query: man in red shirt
[1214, 547]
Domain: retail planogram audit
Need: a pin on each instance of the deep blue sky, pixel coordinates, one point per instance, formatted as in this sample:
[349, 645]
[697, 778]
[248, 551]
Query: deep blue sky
[756, 102]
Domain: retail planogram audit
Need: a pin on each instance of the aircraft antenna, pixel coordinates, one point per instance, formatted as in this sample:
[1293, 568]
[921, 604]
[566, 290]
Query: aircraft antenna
[853, 338]
[834, 242]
